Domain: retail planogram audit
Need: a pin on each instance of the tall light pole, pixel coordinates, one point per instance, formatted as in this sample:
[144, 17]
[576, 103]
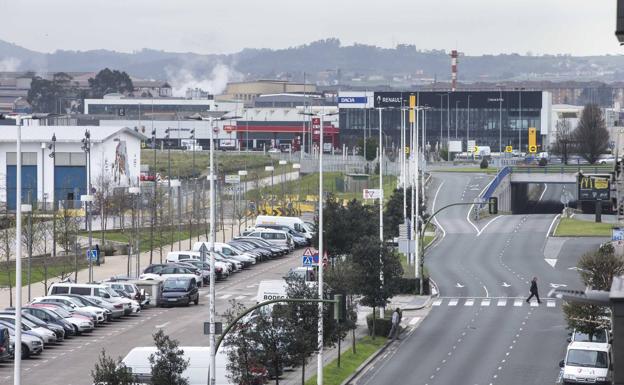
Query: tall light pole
[243, 174]
[211, 119]
[321, 250]
[500, 121]
[448, 124]
[88, 198]
[52, 148]
[283, 163]
[441, 120]
[135, 192]
[468, 126]
[272, 169]
[381, 199]
[17, 368]
[520, 89]
[194, 178]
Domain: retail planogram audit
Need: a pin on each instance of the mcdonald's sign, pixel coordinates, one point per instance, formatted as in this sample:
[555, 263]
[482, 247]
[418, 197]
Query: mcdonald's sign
[594, 187]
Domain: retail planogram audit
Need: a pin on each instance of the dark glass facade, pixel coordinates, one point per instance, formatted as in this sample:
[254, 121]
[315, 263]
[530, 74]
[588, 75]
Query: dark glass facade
[478, 115]
[131, 111]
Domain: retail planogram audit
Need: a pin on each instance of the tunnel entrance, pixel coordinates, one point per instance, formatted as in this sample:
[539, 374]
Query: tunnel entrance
[541, 198]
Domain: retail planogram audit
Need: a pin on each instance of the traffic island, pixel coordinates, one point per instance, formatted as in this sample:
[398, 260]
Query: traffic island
[570, 227]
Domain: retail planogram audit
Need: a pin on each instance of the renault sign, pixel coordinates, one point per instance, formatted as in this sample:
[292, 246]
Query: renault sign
[392, 99]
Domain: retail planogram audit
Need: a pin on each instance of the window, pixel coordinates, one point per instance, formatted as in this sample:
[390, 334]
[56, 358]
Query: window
[60, 290]
[154, 269]
[183, 256]
[280, 236]
[81, 290]
[226, 251]
[167, 270]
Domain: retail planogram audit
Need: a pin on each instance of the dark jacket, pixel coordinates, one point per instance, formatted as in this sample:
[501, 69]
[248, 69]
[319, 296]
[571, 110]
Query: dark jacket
[533, 287]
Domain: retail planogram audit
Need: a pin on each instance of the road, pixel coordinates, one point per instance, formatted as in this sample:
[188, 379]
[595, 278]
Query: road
[480, 329]
[71, 362]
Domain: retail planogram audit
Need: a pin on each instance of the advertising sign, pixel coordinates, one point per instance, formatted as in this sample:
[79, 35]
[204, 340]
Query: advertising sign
[234, 178]
[594, 187]
[455, 146]
[230, 143]
[472, 145]
[617, 234]
[352, 100]
[393, 99]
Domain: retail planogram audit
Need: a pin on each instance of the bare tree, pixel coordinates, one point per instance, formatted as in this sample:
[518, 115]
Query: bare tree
[6, 248]
[564, 143]
[591, 135]
[104, 200]
[67, 228]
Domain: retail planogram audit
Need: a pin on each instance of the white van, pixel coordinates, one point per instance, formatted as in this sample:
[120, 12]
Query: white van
[271, 289]
[275, 237]
[94, 290]
[196, 373]
[181, 256]
[295, 223]
[587, 362]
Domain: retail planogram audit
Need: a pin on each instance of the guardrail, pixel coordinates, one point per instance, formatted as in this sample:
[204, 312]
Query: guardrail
[494, 184]
[563, 169]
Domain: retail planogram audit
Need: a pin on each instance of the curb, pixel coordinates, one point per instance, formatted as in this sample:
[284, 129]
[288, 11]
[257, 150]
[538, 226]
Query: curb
[364, 364]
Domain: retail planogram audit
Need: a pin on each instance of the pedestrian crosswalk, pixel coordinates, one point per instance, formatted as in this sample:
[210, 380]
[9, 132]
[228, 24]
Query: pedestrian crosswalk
[494, 302]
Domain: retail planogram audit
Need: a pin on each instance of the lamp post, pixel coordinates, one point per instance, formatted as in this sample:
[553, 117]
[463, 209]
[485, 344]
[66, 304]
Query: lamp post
[520, 89]
[88, 198]
[448, 124]
[297, 166]
[194, 189]
[211, 240]
[283, 163]
[319, 357]
[272, 169]
[153, 215]
[500, 121]
[243, 174]
[468, 126]
[136, 244]
[52, 148]
[381, 198]
[168, 142]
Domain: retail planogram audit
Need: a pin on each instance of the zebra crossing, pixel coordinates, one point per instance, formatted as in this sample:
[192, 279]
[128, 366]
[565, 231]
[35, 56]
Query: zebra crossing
[235, 296]
[493, 302]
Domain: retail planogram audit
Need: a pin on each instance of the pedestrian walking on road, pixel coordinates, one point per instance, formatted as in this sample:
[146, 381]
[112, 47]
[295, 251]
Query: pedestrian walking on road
[533, 290]
[97, 254]
[396, 322]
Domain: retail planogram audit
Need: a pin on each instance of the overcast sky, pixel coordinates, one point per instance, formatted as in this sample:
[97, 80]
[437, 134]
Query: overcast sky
[579, 27]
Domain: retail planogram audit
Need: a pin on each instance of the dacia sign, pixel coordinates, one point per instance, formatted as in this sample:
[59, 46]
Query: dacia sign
[352, 99]
[355, 99]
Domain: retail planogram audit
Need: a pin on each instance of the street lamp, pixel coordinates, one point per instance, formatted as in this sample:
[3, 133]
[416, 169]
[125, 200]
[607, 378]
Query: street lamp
[243, 173]
[88, 198]
[272, 169]
[212, 118]
[52, 148]
[283, 163]
[297, 166]
[192, 137]
[520, 89]
[153, 216]
[319, 368]
[500, 120]
[136, 244]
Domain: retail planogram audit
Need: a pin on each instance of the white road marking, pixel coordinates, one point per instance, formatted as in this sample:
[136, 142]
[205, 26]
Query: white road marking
[543, 192]
[557, 285]
[225, 296]
[414, 320]
[472, 206]
[551, 225]
[550, 303]
[487, 224]
[240, 297]
[459, 285]
[534, 304]
[437, 302]
[487, 294]
[518, 302]
[485, 302]
[505, 284]
[551, 261]
[502, 302]
[435, 219]
[469, 302]
[453, 302]
[161, 325]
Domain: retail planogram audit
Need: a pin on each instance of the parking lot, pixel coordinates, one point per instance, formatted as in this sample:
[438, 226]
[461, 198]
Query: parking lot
[71, 361]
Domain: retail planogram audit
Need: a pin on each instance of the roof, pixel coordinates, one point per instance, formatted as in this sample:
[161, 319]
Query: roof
[65, 133]
[589, 346]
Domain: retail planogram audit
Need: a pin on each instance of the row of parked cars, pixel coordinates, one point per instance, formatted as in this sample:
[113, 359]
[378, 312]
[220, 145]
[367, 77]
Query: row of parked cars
[588, 358]
[186, 271]
[68, 310]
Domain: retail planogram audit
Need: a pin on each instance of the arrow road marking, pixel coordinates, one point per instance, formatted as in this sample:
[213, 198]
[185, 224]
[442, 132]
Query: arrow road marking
[162, 325]
[574, 268]
[551, 262]
[505, 284]
[459, 285]
[557, 285]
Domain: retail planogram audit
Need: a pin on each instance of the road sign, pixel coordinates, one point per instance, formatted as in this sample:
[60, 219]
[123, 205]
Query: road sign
[594, 187]
[617, 234]
[532, 137]
[92, 255]
[372, 193]
[310, 257]
[232, 179]
[306, 260]
[472, 145]
[532, 149]
[476, 149]
[407, 150]
[566, 197]
[508, 149]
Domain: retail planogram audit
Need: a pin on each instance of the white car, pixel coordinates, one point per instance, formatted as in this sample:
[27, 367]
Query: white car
[97, 312]
[274, 151]
[162, 272]
[133, 305]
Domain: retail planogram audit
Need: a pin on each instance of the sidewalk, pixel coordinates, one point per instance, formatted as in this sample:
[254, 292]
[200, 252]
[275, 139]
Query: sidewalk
[115, 265]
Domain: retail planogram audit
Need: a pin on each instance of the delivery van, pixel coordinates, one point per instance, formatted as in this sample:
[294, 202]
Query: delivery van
[587, 363]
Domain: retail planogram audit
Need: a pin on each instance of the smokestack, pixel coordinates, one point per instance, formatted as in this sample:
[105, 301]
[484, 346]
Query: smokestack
[454, 70]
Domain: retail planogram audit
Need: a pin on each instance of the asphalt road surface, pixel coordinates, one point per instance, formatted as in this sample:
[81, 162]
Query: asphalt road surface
[480, 330]
[71, 362]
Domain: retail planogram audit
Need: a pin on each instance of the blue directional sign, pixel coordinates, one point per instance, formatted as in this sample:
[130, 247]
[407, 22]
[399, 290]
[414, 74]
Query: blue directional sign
[92, 255]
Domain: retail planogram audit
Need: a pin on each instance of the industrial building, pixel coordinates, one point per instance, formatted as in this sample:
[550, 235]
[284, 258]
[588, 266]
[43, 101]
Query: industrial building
[115, 156]
[450, 116]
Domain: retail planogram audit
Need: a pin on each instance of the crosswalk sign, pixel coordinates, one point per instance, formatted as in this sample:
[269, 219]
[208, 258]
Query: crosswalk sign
[306, 260]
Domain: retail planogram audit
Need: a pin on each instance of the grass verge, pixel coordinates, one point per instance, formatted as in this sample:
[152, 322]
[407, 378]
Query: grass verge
[349, 362]
[570, 227]
[161, 238]
[57, 267]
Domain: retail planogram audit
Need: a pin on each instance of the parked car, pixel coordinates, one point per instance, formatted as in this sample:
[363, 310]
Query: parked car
[162, 272]
[138, 295]
[130, 305]
[299, 238]
[58, 331]
[204, 267]
[180, 290]
[51, 318]
[601, 336]
[31, 345]
[5, 344]
[98, 313]
[112, 311]
[45, 334]
[80, 323]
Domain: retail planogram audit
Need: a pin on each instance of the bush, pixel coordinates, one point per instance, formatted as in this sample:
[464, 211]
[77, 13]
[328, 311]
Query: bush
[484, 163]
[382, 326]
[542, 162]
[411, 285]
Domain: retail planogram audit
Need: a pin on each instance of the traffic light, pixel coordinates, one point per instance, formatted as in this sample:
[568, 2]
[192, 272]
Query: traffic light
[493, 205]
[340, 307]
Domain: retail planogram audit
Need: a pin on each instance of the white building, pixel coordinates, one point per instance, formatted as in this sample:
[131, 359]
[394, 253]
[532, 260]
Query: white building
[115, 156]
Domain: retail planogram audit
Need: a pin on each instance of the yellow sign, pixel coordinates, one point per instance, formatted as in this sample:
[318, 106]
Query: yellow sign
[586, 182]
[508, 149]
[532, 149]
[476, 149]
[407, 150]
[601, 183]
[412, 112]
[532, 138]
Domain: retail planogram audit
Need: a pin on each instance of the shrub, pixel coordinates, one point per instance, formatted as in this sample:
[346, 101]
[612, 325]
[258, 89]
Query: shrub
[382, 325]
[542, 162]
[484, 163]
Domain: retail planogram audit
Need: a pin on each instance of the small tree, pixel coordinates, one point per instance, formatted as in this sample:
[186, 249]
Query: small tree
[564, 142]
[597, 269]
[585, 318]
[591, 135]
[168, 362]
[66, 228]
[108, 371]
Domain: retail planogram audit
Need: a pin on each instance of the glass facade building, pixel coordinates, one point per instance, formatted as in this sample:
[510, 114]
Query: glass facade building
[483, 116]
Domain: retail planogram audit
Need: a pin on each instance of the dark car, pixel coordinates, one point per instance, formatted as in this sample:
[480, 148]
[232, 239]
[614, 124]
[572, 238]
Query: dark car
[51, 317]
[179, 291]
[5, 344]
[59, 331]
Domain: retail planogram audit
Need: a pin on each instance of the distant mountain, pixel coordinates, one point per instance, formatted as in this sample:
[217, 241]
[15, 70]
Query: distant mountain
[325, 61]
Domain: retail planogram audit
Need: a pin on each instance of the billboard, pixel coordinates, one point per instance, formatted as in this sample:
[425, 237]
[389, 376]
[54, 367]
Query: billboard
[455, 146]
[594, 187]
[393, 99]
[229, 143]
[355, 99]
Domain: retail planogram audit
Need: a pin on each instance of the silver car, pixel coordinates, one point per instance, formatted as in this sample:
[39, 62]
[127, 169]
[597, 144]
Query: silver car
[46, 335]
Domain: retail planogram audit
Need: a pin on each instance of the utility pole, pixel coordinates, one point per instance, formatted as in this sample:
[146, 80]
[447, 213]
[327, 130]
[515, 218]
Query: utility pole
[381, 199]
[17, 367]
[403, 164]
[88, 198]
[415, 194]
[211, 320]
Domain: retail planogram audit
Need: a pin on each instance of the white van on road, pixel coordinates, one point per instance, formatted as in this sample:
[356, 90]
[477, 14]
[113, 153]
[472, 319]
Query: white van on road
[295, 223]
[587, 363]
